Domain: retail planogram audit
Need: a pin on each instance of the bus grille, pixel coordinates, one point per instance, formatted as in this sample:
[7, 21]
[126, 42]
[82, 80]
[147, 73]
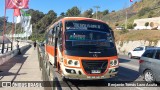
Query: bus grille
[90, 65]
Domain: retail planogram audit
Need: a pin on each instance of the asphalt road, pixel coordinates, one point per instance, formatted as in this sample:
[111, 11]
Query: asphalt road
[128, 72]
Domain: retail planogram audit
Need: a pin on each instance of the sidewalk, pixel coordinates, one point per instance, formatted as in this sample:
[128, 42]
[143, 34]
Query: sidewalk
[23, 67]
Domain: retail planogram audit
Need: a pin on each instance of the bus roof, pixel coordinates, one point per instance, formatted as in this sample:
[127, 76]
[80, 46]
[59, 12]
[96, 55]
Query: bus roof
[81, 18]
[75, 18]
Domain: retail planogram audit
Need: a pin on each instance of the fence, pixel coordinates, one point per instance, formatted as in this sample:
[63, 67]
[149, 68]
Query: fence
[7, 56]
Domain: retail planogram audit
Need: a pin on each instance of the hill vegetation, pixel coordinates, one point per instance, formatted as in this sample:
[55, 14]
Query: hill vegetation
[133, 35]
[141, 9]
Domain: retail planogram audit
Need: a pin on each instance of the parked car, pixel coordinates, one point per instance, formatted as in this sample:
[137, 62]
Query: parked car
[149, 65]
[138, 51]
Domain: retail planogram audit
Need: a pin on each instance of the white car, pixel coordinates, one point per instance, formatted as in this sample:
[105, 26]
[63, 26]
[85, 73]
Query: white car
[138, 51]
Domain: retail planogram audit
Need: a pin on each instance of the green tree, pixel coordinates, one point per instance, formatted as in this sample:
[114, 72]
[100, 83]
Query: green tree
[51, 15]
[130, 26]
[143, 11]
[1, 24]
[105, 12]
[135, 24]
[36, 15]
[88, 13]
[41, 21]
[74, 11]
[150, 15]
[62, 14]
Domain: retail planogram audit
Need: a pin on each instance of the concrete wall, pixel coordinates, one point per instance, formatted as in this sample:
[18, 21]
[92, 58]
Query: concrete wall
[153, 23]
[123, 47]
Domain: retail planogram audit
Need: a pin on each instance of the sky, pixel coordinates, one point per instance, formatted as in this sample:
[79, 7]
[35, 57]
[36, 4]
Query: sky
[63, 5]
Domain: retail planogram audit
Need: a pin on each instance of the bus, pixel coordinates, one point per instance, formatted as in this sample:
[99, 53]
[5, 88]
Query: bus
[82, 48]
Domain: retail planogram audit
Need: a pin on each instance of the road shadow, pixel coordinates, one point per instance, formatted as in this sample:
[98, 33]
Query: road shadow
[18, 59]
[122, 60]
[127, 74]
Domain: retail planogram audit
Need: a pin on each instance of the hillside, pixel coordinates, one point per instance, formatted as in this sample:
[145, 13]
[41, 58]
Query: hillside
[141, 9]
[133, 35]
[41, 21]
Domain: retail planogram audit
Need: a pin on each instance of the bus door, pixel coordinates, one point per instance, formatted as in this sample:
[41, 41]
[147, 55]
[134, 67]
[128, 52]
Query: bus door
[58, 43]
[55, 45]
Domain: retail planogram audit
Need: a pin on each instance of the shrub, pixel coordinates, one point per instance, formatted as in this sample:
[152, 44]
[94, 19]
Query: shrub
[150, 15]
[135, 24]
[146, 24]
[143, 11]
[130, 26]
[116, 24]
[124, 31]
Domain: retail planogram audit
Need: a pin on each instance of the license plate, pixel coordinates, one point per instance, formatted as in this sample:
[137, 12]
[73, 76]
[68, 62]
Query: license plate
[95, 77]
[95, 71]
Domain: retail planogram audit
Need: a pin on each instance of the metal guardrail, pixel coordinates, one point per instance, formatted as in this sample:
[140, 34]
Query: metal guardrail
[48, 74]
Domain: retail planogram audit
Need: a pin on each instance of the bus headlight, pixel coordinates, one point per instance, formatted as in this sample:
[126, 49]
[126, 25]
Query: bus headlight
[74, 63]
[114, 62]
[70, 62]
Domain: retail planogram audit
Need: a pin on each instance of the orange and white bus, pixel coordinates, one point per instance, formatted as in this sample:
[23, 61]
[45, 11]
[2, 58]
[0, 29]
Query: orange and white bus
[82, 48]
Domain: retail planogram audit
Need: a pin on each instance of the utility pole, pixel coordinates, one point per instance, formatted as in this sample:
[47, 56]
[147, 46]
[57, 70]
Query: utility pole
[127, 14]
[126, 20]
[97, 7]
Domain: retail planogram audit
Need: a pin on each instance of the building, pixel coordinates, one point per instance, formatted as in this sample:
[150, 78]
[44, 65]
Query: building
[154, 23]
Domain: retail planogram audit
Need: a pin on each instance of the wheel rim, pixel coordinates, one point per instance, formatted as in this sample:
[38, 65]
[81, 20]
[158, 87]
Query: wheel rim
[149, 77]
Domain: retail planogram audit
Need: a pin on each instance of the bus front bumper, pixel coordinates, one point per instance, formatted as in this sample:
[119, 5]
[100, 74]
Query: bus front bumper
[80, 75]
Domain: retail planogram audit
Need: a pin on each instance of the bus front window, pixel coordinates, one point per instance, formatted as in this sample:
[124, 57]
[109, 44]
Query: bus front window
[76, 39]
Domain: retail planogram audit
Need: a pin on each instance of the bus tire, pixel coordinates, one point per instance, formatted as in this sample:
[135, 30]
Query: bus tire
[58, 67]
[63, 78]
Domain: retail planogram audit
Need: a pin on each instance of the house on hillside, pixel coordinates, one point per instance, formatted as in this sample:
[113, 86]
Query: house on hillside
[153, 23]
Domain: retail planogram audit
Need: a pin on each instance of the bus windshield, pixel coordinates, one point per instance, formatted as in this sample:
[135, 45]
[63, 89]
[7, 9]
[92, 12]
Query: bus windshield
[93, 39]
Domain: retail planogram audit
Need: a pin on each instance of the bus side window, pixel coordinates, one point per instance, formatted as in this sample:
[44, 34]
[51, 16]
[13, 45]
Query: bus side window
[53, 36]
[47, 38]
[60, 36]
